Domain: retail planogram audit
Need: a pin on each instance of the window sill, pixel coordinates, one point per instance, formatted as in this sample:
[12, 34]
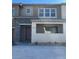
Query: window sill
[47, 17]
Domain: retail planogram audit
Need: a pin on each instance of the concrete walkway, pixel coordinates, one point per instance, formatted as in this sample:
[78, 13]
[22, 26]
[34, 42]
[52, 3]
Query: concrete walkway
[39, 52]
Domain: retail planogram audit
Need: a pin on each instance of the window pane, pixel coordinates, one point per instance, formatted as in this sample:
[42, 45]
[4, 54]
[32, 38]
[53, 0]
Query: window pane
[52, 10]
[49, 28]
[60, 28]
[47, 14]
[47, 10]
[39, 28]
[52, 14]
[28, 10]
[41, 14]
[41, 10]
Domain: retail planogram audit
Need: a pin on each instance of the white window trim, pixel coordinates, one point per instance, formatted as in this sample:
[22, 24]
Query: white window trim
[38, 12]
[50, 13]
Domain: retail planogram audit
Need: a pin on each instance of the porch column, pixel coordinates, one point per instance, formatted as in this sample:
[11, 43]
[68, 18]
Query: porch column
[64, 30]
[33, 31]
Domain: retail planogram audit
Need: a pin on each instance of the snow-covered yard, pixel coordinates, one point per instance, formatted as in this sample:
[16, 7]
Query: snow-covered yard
[39, 52]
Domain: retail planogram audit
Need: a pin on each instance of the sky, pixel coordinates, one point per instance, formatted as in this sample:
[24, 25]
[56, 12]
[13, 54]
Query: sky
[38, 1]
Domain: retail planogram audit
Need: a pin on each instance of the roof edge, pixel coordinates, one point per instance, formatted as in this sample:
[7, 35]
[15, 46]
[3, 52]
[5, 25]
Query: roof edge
[39, 3]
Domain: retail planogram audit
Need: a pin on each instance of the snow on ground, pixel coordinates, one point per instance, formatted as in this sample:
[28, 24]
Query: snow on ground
[39, 52]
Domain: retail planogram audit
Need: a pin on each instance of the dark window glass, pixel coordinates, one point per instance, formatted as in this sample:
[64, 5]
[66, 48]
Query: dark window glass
[47, 14]
[28, 10]
[52, 10]
[41, 10]
[52, 14]
[49, 28]
[47, 10]
[41, 14]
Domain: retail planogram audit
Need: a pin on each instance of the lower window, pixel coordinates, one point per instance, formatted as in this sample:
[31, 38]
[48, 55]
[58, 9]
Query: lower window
[49, 28]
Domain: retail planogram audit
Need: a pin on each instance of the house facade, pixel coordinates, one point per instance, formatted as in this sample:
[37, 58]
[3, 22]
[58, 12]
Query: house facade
[41, 23]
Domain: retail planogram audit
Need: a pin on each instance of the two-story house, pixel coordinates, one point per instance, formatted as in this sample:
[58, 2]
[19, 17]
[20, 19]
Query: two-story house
[41, 23]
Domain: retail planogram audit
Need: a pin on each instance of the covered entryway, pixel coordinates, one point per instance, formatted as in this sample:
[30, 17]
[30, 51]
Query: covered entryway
[25, 33]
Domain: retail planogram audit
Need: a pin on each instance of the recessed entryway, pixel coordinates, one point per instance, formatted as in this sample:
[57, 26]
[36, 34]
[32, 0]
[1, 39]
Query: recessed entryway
[25, 33]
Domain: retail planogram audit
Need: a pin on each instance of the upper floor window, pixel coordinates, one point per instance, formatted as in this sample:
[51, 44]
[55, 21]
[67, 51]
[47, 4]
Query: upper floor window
[13, 12]
[47, 12]
[28, 11]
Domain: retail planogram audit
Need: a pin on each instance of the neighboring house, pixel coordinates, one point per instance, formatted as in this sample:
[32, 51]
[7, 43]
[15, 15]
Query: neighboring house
[41, 23]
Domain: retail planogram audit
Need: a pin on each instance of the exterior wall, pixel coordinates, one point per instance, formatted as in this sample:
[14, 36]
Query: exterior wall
[35, 9]
[47, 37]
[23, 11]
[13, 34]
[63, 11]
[38, 37]
[58, 7]
[17, 9]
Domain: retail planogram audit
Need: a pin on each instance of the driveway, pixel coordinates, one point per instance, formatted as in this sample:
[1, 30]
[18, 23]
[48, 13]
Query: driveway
[39, 52]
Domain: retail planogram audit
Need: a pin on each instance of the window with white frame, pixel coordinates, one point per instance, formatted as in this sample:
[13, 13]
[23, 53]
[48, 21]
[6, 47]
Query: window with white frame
[53, 12]
[28, 11]
[47, 12]
[41, 12]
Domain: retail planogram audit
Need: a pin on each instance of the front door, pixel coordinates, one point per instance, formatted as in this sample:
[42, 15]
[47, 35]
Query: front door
[25, 33]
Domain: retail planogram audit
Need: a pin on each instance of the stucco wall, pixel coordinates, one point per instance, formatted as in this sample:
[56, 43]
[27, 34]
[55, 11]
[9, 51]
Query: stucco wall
[17, 10]
[47, 37]
[22, 11]
[63, 11]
